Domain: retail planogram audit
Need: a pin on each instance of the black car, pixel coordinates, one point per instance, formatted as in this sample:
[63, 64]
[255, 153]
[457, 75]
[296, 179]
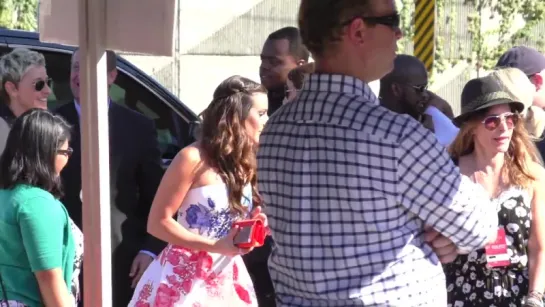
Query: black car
[133, 89]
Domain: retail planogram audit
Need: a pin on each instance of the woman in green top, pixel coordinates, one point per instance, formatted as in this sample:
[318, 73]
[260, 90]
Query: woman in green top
[37, 248]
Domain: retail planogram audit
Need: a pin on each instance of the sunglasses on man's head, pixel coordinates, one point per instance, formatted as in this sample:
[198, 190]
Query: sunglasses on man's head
[494, 121]
[66, 152]
[40, 84]
[393, 21]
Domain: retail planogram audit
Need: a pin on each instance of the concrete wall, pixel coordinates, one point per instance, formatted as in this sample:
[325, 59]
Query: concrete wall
[219, 38]
[216, 39]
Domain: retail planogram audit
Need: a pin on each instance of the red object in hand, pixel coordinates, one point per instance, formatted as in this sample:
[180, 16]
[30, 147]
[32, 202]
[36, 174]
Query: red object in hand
[251, 233]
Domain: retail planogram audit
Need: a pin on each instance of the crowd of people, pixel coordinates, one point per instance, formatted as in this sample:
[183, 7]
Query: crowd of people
[373, 191]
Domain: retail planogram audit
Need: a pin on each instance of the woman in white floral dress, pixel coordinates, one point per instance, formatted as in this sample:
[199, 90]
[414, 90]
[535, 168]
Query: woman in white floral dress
[209, 185]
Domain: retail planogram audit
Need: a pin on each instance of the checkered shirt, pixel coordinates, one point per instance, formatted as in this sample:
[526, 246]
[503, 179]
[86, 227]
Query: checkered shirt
[348, 187]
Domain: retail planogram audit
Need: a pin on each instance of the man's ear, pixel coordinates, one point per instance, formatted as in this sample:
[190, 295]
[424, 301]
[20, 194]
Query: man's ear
[396, 89]
[112, 75]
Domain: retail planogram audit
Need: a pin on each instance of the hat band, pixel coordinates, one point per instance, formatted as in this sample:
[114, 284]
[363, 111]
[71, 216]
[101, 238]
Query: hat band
[475, 103]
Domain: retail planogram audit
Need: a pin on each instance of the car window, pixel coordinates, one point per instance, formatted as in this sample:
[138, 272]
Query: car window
[125, 92]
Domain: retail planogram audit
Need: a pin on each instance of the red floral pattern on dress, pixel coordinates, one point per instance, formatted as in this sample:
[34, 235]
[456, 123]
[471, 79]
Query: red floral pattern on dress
[243, 293]
[188, 269]
[189, 278]
[235, 272]
[166, 296]
[144, 295]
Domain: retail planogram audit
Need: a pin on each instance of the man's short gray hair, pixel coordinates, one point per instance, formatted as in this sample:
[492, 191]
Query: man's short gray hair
[14, 65]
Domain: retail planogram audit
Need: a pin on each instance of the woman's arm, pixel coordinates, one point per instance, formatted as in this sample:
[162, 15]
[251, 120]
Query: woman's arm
[174, 186]
[53, 288]
[42, 222]
[536, 243]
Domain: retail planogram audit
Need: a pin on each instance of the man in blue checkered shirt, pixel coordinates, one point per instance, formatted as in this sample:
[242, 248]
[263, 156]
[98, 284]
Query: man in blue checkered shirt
[350, 186]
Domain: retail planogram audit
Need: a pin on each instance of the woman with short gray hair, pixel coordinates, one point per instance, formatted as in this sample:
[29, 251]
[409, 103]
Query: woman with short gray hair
[24, 85]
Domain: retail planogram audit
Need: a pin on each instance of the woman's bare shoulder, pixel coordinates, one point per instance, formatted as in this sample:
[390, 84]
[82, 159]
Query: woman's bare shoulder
[189, 159]
[191, 162]
[191, 153]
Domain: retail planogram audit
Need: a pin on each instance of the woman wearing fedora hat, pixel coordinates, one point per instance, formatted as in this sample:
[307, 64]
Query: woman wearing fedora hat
[494, 149]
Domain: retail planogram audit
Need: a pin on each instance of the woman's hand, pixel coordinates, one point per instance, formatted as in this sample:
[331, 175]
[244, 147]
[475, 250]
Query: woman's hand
[227, 247]
[258, 214]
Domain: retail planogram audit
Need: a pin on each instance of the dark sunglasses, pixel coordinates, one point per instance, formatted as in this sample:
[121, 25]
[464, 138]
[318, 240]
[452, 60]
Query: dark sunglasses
[494, 121]
[66, 152]
[420, 88]
[393, 21]
[40, 84]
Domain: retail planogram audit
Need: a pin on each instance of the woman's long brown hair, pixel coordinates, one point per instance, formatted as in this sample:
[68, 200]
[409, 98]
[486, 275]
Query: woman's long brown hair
[518, 159]
[226, 145]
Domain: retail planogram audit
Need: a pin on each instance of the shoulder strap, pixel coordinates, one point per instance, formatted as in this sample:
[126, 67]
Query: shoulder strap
[4, 290]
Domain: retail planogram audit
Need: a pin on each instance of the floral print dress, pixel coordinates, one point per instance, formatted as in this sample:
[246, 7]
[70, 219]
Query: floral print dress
[183, 277]
[471, 283]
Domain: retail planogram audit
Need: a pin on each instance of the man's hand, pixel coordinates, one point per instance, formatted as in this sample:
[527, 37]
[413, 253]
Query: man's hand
[139, 266]
[443, 247]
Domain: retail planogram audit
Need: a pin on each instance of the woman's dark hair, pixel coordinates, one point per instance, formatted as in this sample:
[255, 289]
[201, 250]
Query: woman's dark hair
[226, 146]
[31, 151]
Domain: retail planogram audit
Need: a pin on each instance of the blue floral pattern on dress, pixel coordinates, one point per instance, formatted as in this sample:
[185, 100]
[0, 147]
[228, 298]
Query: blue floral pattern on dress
[210, 221]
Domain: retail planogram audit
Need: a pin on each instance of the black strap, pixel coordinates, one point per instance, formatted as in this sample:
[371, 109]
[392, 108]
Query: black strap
[455, 161]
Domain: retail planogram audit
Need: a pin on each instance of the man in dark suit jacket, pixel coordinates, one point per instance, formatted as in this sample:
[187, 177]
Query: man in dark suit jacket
[135, 173]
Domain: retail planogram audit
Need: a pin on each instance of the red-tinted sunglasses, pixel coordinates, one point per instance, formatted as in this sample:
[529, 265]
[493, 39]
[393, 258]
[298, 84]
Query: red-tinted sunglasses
[494, 121]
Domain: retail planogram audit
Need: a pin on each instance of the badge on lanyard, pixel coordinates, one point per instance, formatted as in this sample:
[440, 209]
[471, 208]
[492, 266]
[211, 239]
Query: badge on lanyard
[496, 252]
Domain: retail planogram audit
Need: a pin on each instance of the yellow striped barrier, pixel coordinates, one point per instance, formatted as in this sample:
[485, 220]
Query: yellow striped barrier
[424, 32]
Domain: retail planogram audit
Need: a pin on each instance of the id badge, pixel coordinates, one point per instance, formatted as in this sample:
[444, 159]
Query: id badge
[496, 252]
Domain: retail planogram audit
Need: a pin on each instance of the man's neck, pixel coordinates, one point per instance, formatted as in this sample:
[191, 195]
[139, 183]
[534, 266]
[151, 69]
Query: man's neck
[278, 91]
[16, 109]
[338, 64]
[276, 98]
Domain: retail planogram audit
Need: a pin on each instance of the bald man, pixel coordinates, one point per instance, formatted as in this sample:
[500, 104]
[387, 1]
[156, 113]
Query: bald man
[404, 91]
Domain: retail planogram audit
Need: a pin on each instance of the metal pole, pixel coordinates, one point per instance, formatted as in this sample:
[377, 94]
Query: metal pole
[95, 154]
[424, 32]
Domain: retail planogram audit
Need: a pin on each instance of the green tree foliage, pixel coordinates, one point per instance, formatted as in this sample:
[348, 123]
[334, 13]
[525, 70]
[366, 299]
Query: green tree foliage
[506, 12]
[19, 14]
[483, 54]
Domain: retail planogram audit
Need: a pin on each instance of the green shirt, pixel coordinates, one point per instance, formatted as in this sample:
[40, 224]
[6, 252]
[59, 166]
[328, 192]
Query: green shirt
[35, 235]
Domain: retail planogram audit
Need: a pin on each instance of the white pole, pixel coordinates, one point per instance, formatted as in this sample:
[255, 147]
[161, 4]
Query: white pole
[95, 154]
